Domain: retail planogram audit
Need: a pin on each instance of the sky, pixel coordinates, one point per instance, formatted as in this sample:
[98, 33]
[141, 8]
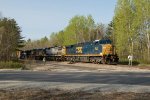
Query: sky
[39, 18]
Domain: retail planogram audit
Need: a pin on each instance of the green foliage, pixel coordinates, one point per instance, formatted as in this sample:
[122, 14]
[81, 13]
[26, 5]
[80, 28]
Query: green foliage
[80, 29]
[57, 39]
[126, 62]
[42, 43]
[131, 28]
[110, 31]
[11, 65]
[10, 38]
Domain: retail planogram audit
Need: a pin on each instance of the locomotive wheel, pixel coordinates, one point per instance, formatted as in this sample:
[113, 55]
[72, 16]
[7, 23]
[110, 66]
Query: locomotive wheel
[108, 62]
[93, 61]
[103, 61]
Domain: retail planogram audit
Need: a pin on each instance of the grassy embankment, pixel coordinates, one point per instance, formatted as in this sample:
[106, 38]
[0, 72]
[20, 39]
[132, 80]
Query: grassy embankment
[135, 64]
[11, 65]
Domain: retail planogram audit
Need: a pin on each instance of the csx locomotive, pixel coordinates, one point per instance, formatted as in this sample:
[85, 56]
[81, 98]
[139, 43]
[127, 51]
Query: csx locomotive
[98, 51]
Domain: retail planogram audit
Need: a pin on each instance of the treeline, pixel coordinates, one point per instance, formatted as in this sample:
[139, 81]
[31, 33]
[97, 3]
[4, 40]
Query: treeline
[131, 29]
[10, 39]
[80, 29]
[35, 44]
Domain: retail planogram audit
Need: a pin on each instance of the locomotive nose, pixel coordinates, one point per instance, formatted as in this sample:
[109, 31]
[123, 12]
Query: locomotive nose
[107, 49]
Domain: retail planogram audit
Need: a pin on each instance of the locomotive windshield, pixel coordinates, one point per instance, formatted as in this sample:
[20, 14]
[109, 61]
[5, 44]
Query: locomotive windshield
[105, 42]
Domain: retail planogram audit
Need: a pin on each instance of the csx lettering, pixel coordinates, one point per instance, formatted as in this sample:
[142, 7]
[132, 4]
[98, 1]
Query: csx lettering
[96, 48]
[78, 49]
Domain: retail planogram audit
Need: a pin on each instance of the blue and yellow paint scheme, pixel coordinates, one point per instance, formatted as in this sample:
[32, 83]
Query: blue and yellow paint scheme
[89, 49]
[101, 51]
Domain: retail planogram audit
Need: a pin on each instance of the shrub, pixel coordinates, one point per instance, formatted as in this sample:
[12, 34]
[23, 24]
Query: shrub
[11, 65]
[125, 62]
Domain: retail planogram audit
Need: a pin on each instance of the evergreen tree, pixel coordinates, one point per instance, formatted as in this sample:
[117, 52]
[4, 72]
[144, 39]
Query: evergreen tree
[10, 38]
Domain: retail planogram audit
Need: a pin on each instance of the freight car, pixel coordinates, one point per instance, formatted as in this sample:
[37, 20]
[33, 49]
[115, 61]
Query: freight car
[98, 51]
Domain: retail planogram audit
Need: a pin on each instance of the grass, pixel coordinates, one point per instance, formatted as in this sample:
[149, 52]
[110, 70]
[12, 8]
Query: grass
[11, 65]
[146, 65]
[125, 62]
[39, 94]
[137, 64]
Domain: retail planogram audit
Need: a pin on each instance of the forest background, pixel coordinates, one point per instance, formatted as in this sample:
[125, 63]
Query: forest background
[129, 31]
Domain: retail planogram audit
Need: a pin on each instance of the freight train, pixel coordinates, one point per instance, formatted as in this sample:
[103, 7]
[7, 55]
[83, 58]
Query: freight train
[98, 51]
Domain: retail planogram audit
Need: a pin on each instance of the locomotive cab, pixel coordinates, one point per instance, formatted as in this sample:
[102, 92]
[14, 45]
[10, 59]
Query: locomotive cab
[109, 55]
[107, 49]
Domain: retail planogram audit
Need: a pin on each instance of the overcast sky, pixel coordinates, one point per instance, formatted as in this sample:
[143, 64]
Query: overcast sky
[39, 18]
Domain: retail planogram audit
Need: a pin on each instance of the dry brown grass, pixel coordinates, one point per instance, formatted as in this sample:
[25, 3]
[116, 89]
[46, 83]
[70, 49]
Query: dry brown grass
[39, 94]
